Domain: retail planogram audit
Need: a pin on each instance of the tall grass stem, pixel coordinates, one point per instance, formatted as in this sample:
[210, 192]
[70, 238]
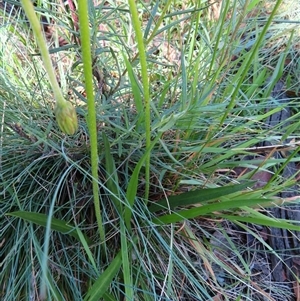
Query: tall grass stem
[144, 71]
[91, 117]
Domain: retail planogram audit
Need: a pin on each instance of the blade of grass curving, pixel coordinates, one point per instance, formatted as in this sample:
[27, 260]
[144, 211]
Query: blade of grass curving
[206, 210]
[258, 237]
[145, 79]
[51, 284]
[198, 196]
[91, 117]
[101, 285]
[56, 224]
[173, 23]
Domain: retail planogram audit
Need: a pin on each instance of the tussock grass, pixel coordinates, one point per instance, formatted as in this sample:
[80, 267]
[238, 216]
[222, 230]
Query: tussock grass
[180, 222]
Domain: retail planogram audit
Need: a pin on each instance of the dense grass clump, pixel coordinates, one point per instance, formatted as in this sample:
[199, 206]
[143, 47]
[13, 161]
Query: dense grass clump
[160, 190]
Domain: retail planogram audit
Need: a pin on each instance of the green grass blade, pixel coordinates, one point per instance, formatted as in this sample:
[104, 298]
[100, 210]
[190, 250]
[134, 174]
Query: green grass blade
[255, 217]
[126, 263]
[207, 209]
[102, 284]
[197, 196]
[133, 183]
[264, 221]
[56, 224]
[135, 86]
[86, 248]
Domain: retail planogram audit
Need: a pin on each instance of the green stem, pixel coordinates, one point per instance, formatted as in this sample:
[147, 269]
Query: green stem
[36, 27]
[65, 113]
[143, 61]
[91, 117]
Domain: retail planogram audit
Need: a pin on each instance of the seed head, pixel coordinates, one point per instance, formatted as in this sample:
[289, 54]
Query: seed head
[66, 117]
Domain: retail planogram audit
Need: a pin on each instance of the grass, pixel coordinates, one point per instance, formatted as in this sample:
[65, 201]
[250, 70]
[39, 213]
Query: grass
[177, 220]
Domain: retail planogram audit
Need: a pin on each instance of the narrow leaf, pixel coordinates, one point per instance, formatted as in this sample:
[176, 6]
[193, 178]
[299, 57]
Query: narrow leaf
[56, 224]
[207, 209]
[197, 196]
[264, 221]
[136, 90]
[133, 183]
[101, 285]
[126, 260]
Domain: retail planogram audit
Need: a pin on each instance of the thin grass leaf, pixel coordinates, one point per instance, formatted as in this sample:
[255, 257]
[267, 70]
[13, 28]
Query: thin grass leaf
[126, 264]
[86, 248]
[258, 81]
[184, 97]
[135, 86]
[56, 224]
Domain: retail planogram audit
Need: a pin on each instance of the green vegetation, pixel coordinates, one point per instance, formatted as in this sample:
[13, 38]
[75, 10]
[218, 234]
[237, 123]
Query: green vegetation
[151, 193]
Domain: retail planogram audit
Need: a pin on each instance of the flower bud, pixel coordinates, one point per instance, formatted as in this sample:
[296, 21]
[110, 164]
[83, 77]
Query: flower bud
[66, 117]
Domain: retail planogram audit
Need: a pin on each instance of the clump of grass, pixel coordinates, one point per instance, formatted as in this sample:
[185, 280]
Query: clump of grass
[175, 218]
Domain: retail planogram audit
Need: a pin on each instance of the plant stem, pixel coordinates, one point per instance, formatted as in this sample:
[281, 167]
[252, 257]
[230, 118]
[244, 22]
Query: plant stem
[91, 117]
[36, 27]
[143, 61]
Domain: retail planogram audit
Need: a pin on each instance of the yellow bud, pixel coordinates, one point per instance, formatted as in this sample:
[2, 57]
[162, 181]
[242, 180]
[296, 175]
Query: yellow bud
[66, 117]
